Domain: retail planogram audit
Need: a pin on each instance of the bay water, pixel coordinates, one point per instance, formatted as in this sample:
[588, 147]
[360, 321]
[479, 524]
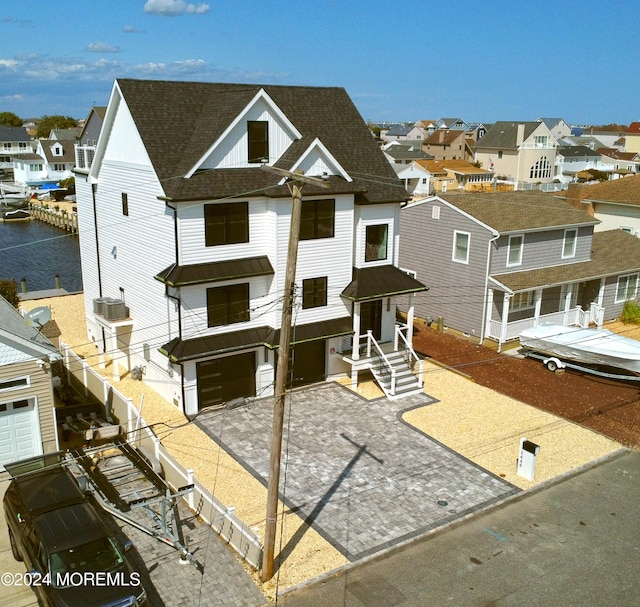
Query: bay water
[37, 252]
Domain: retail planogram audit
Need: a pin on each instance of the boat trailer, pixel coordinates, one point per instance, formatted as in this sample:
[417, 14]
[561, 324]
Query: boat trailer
[129, 484]
[553, 363]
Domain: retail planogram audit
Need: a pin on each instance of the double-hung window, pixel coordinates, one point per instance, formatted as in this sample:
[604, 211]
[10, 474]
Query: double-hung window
[514, 253]
[314, 292]
[377, 242]
[226, 223]
[227, 305]
[627, 288]
[569, 244]
[461, 242]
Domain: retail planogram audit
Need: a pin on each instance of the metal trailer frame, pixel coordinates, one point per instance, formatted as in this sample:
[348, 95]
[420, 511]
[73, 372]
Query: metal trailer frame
[554, 363]
[124, 482]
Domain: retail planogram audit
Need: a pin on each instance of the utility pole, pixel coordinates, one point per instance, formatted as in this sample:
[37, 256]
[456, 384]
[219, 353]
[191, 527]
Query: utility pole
[273, 482]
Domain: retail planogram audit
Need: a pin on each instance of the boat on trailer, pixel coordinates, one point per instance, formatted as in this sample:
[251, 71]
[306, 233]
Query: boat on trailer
[599, 347]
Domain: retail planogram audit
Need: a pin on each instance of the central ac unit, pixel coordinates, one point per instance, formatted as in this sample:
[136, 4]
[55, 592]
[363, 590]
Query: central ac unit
[114, 309]
[98, 304]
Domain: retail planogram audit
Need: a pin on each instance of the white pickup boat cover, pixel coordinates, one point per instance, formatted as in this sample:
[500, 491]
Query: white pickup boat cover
[589, 346]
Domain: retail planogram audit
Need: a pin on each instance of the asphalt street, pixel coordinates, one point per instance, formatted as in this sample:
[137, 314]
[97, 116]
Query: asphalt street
[574, 542]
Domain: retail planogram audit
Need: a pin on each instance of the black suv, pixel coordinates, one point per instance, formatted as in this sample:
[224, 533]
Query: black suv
[72, 560]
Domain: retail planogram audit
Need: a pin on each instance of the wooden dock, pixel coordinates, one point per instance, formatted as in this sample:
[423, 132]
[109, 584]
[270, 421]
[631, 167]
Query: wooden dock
[65, 220]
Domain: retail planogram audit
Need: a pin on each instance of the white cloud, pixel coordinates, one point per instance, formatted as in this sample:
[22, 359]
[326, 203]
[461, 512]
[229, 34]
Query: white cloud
[102, 47]
[173, 8]
[130, 29]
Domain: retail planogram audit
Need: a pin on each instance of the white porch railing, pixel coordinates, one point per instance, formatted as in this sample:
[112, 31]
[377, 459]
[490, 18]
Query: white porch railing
[381, 366]
[574, 317]
[410, 355]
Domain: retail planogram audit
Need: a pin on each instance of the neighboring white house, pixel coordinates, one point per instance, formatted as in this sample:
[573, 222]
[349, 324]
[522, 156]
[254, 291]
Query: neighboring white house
[14, 141]
[184, 236]
[572, 159]
[52, 161]
[416, 178]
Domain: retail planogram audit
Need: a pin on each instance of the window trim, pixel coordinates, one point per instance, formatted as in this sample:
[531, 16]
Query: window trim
[262, 142]
[454, 258]
[310, 216]
[315, 292]
[384, 243]
[572, 254]
[513, 237]
[527, 304]
[229, 319]
[227, 222]
[626, 296]
[20, 386]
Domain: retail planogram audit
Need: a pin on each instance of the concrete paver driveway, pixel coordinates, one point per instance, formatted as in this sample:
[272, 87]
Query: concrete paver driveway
[354, 470]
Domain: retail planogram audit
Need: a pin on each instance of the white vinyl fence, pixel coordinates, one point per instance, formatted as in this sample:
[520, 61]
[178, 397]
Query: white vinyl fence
[221, 519]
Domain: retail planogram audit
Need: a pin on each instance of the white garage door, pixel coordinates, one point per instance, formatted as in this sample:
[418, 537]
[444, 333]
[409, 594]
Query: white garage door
[19, 431]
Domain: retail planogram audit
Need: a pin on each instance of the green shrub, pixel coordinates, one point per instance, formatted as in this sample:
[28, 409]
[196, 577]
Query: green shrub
[9, 290]
[631, 312]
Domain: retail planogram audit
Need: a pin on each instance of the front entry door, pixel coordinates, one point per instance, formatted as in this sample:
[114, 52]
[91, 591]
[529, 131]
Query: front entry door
[371, 318]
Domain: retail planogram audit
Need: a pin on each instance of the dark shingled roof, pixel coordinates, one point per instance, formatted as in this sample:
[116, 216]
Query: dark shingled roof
[614, 252]
[181, 350]
[180, 121]
[519, 211]
[215, 271]
[380, 281]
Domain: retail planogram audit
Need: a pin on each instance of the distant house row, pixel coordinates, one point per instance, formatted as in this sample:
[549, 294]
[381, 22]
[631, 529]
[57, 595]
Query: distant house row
[546, 153]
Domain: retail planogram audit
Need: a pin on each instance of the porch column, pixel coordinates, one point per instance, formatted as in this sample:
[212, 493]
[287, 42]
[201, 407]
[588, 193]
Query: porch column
[504, 322]
[355, 347]
[410, 312]
[487, 318]
[567, 303]
[538, 307]
[355, 350]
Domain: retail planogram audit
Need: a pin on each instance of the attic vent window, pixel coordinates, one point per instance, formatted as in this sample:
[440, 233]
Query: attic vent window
[258, 141]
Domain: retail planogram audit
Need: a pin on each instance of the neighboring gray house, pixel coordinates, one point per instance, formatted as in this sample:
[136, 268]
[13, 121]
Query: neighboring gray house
[27, 413]
[499, 263]
[404, 153]
[558, 127]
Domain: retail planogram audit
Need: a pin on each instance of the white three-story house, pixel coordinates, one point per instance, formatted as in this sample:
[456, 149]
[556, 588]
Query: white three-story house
[184, 238]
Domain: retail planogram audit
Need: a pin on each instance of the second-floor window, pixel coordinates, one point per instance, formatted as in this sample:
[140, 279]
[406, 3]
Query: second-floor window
[227, 305]
[514, 254]
[377, 241]
[461, 242]
[226, 223]
[314, 292]
[258, 139]
[627, 288]
[569, 244]
[125, 203]
[317, 219]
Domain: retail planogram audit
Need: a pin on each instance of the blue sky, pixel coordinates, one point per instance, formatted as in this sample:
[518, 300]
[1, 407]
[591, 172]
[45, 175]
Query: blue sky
[409, 60]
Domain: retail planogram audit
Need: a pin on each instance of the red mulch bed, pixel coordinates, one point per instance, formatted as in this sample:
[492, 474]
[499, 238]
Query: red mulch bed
[608, 406]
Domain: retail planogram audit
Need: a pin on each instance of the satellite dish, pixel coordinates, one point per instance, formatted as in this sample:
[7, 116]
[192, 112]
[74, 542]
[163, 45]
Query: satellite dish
[38, 317]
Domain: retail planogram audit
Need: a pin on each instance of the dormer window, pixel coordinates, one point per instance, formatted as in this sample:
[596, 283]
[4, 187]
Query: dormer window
[258, 141]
